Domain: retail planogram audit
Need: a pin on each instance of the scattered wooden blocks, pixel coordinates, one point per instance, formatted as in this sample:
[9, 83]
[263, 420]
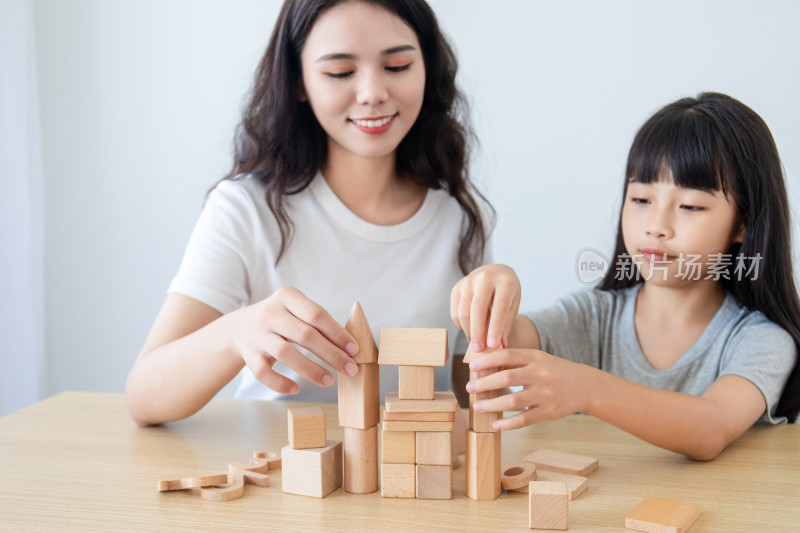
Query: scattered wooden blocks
[575, 484]
[659, 515]
[360, 397]
[192, 482]
[361, 460]
[306, 428]
[483, 469]
[434, 482]
[566, 463]
[416, 382]
[434, 448]
[413, 346]
[398, 480]
[399, 447]
[312, 471]
[225, 493]
[517, 476]
[548, 505]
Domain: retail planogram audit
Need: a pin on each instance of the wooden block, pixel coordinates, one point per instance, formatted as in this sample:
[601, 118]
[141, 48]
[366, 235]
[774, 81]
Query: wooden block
[479, 421]
[254, 473]
[306, 427]
[461, 424]
[482, 476]
[434, 482]
[659, 515]
[192, 482]
[225, 493]
[359, 328]
[566, 463]
[413, 346]
[548, 505]
[434, 448]
[456, 462]
[398, 481]
[443, 402]
[312, 472]
[361, 460]
[421, 417]
[517, 476]
[575, 484]
[470, 356]
[398, 447]
[360, 397]
[416, 382]
[410, 425]
[273, 459]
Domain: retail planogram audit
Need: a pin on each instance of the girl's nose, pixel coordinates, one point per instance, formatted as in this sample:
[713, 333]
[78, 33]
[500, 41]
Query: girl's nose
[659, 225]
[372, 89]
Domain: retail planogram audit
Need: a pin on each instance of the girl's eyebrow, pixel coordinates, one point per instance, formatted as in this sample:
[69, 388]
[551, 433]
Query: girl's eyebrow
[344, 55]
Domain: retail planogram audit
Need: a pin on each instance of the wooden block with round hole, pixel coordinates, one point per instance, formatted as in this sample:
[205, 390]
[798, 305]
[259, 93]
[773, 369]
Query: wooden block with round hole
[660, 515]
[548, 505]
[483, 469]
[434, 482]
[398, 447]
[516, 476]
[398, 481]
[434, 448]
[361, 460]
[415, 382]
[413, 346]
[306, 427]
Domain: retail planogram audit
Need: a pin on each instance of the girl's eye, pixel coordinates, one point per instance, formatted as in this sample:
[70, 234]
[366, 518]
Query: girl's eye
[340, 75]
[640, 201]
[400, 68]
[691, 207]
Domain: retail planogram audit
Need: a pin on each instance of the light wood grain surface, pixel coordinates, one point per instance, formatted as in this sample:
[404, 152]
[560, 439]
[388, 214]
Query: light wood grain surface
[76, 462]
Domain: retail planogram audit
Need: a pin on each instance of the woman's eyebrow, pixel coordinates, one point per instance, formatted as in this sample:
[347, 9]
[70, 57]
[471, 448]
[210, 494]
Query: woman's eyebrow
[344, 55]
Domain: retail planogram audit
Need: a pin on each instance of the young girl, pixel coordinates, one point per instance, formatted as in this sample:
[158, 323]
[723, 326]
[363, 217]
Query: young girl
[349, 184]
[692, 335]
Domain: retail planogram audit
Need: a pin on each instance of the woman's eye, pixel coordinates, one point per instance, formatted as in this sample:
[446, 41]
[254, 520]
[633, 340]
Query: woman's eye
[691, 207]
[400, 68]
[340, 75]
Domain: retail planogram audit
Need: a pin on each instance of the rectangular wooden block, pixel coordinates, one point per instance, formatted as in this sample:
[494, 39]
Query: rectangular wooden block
[398, 447]
[434, 482]
[421, 417]
[483, 468]
[410, 425]
[312, 472]
[360, 397]
[416, 382]
[575, 484]
[659, 515]
[460, 425]
[479, 421]
[361, 460]
[306, 427]
[413, 346]
[566, 463]
[443, 402]
[398, 481]
[548, 505]
[434, 448]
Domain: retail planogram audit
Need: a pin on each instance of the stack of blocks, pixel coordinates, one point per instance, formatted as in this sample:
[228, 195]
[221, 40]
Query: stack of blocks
[312, 465]
[417, 436]
[359, 409]
[482, 442]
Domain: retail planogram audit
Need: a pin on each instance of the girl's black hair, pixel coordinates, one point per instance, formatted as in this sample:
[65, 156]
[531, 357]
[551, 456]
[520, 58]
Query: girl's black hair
[714, 142]
[280, 142]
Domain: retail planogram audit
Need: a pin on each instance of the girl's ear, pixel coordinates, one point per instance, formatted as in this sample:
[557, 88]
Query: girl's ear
[740, 234]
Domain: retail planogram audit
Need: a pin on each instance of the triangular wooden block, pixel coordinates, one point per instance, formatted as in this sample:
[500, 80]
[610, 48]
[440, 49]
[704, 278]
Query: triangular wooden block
[470, 355]
[358, 327]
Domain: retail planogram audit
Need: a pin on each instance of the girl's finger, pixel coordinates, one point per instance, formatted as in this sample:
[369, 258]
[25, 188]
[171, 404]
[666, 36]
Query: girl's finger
[281, 349]
[455, 298]
[519, 420]
[479, 316]
[315, 315]
[497, 381]
[261, 366]
[464, 304]
[504, 311]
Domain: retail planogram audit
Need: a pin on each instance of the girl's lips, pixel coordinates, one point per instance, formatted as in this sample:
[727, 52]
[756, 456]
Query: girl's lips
[656, 255]
[373, 125]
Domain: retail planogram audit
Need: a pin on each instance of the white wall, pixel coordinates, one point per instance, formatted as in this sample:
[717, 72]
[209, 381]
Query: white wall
[139, 99]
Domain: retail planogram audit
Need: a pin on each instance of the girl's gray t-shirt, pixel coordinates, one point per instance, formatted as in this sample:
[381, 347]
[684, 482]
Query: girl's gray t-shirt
[596, 328]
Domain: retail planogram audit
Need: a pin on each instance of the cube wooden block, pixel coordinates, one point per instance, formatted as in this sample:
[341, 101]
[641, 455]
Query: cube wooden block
[566, 463]
[659, 515]
[443, 402]
[483, 469]
[421, 417]
[358, 327]
[416, 382]
[548, 505]
[434, 482]
[410, 425]
[575, 484]
[398, 447]
[413, 346]
[312, 472]
[398, 481]
[361, 460]
[306, 427]
[360, 397]
[434, 448]
[479, 421]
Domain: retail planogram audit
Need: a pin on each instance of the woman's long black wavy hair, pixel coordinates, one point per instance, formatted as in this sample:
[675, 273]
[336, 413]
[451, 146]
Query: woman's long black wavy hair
[280, 142]
[715, 142]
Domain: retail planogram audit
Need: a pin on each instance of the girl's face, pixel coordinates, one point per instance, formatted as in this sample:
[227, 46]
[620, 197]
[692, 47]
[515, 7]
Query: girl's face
[364, 77]
[668, 229]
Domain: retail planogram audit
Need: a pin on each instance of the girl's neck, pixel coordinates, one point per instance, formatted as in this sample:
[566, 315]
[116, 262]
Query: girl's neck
[696, 302]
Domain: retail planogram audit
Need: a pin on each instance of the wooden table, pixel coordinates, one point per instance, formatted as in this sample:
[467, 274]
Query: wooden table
[77, 462]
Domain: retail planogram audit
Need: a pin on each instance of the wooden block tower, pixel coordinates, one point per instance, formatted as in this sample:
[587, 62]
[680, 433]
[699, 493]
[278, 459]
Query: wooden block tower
[312, 465]
[417, 436]
[359, 409]
[482, 442]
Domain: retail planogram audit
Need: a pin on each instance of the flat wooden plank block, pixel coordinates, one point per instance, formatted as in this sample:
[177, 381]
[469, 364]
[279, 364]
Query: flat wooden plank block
[410, 425]
[576, 485]
[434, 448]
[361, 460]
[567, 463]
[360, 397]
[659, 515]
[312, 472]
[415, 382]
[434, 482]
[548, 505]
[398, 481]
[443, 402]
[517, 476]
[421, 417]
[306, 427]
[413, 346]
[398, 447]
[483, 470]
[359, 328]
[480, 421]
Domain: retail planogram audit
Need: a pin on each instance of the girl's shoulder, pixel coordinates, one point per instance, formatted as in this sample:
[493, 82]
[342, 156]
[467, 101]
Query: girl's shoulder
[751, 326]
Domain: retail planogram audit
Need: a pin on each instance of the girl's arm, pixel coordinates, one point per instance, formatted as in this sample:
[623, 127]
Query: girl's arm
[699, 427]
[193, 351]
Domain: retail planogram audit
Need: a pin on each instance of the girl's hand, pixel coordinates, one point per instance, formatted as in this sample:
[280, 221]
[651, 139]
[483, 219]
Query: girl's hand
[485, 303]
[552, 387]
[266, 332]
